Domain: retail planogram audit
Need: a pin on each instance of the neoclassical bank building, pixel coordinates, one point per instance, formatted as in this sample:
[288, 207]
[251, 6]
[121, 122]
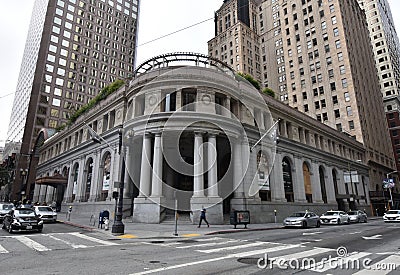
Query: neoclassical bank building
[186, 132]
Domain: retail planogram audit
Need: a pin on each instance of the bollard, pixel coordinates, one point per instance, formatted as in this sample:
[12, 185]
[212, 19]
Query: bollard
[69, 213]
[275, 215]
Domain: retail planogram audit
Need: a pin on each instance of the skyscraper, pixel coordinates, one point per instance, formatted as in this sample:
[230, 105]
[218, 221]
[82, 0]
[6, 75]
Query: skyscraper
[317, 57]
[74, 49]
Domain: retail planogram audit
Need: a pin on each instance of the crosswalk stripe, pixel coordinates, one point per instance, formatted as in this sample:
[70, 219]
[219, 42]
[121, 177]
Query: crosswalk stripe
[31, 243]
[390, 263]
[207, 244]
[335, 262]
[82, 236]
[232, 247]
[3, 250]
[305, 254]
[67, 242]
[212, 239]
[263, 251]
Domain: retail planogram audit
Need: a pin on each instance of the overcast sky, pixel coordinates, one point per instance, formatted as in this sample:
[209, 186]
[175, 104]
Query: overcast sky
[157, 18]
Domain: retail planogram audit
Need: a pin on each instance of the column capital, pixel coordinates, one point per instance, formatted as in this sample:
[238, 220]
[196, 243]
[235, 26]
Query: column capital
[198, 133]
[212, 133]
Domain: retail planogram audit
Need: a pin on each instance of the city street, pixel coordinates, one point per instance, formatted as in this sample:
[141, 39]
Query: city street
[350, 248]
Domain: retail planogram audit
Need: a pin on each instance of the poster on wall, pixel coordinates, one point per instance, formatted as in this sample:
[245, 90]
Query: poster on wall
[263, 182]
[106, 182]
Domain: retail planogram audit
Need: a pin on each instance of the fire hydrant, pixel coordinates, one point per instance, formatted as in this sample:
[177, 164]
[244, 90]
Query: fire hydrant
[106, 223]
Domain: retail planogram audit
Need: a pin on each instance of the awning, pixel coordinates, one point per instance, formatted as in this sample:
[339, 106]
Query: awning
[53, 181]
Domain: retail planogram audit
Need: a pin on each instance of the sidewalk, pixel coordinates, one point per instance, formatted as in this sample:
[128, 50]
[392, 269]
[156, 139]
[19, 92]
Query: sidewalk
[163, 230]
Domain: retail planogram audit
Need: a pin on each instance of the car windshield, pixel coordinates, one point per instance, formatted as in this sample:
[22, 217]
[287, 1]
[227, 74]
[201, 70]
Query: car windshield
[331, 214]
[44, 208]
[392, 212]
[299, 214]
[7, 206]
[352, 213]
[24, 212]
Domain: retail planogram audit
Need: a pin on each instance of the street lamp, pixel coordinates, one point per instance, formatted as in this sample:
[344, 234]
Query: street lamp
[390, 187]
[23, 174]
[118, 226]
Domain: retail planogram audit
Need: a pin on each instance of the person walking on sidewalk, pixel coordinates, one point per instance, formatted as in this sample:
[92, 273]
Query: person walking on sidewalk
[203, 217]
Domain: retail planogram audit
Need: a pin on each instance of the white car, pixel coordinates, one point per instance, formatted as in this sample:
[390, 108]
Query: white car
[335, 217]
[46, 213]
[392, 216]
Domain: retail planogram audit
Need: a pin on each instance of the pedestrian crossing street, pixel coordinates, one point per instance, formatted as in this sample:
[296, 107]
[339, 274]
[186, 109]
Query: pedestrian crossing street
[49, 242]
[301, 257]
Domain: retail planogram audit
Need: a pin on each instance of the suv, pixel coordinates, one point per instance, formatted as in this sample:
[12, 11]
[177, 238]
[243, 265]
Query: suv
[5, 208]
[335, 217]
[22, 219]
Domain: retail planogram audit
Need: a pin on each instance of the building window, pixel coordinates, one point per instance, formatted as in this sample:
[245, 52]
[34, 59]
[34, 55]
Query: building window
[349, 111]
[351, 125]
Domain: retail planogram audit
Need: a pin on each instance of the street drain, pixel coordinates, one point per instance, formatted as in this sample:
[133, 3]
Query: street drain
[154, 262]
[157, 242]
[252, 261]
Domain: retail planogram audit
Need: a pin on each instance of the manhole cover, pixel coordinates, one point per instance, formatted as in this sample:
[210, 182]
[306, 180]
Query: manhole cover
[251, 261]
[154, 262]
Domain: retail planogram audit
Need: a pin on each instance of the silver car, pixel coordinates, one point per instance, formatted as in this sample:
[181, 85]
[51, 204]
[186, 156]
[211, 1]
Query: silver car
[46, 213]
[357, 216]
[5, 208]
[335, 217]
[302, 219]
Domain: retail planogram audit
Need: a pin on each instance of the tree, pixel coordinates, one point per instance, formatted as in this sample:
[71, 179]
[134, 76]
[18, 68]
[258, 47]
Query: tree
[251, 80]
[269, 92]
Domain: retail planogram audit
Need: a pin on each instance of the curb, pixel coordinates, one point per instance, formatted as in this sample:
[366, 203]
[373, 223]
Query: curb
[77, 225]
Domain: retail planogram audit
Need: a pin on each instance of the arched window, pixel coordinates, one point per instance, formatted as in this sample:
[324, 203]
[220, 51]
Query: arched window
[75, 183]
[106, 176]
[335, 183]
[287, 179]
[263, 176]
[88, 182]
[307, 183]
[322, 183]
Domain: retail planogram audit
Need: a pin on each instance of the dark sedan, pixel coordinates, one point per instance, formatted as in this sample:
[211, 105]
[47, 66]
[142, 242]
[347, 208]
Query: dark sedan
[22, 219]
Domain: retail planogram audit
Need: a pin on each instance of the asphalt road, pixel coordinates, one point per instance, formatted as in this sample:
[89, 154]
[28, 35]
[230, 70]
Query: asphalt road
[62, 249]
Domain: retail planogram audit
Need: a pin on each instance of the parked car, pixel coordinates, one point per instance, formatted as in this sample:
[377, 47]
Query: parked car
[46, 213]
[335, 217]
[302, 219]
[357, 216]
[392, 216]
[4, 209]
[22, 219]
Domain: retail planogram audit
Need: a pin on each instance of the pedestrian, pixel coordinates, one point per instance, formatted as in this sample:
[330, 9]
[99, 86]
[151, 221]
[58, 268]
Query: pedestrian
[203, 217]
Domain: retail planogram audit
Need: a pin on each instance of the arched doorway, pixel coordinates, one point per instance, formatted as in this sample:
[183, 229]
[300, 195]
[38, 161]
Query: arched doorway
[307, 182]
[263, 176]
[75, 181]
[287, 179]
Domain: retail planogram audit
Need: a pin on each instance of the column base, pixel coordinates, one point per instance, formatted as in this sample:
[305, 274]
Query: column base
[214, 213]
[148, 210]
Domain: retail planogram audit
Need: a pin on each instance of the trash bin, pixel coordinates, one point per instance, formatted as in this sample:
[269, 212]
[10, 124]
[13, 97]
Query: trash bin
[240, 217]
[103, 214]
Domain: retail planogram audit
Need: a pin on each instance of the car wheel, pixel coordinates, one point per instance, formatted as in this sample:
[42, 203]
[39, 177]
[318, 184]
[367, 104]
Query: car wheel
[339, 221]
[3, 227]
[318, 224]
[358, 220]
[366, 220]
[348, 221]
[304, 224]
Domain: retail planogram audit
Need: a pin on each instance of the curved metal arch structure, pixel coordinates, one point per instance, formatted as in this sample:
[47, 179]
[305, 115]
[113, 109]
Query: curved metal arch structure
[165, 60]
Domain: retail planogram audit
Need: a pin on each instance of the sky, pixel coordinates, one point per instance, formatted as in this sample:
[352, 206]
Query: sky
[157, 18]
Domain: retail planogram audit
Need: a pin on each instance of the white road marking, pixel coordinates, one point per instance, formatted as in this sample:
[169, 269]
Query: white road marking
[390, 263]
[323, 266]
[358, 232]
[303, 254]
[237, 255]
[31, 243]
[311, 233]
[82, 236]
[207, 244]
[232, 247]
[3, 250]
[375, 237]
[66, 242]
